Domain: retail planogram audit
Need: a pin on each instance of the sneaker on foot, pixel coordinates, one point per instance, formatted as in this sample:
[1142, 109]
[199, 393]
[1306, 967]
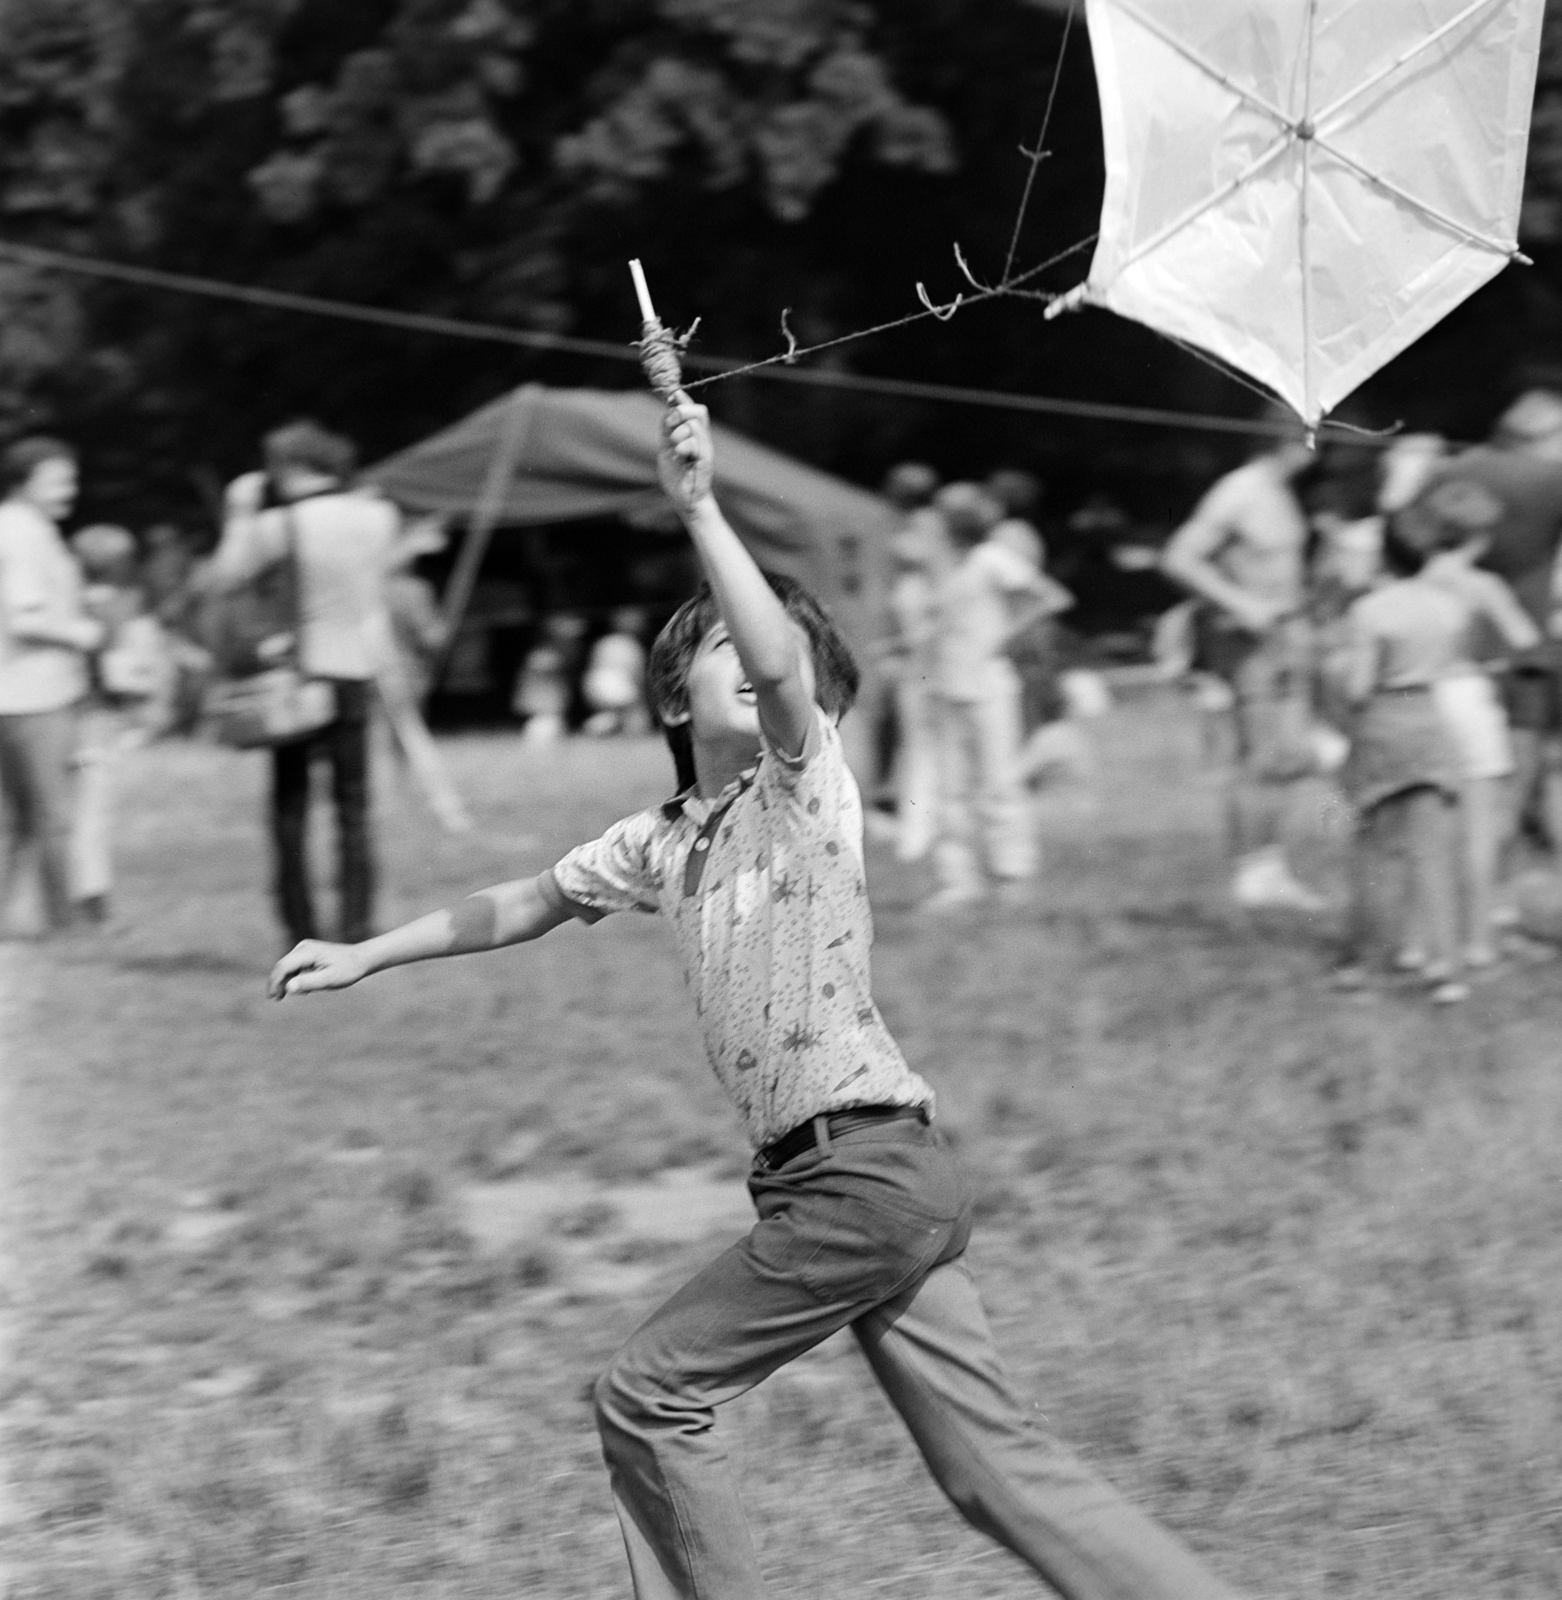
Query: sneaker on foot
[1266, 881]
[951, 898]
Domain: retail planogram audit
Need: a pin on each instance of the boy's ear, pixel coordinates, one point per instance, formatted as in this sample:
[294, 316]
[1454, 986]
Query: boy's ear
[673, 719]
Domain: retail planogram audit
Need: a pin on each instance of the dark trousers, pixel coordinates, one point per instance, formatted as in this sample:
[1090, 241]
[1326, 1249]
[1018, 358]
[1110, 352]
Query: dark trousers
[867, 1233]
[35, 756]
[344, 745]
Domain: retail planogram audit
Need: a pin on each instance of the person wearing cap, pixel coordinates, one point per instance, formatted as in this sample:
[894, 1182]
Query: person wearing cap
[45, 639]
[1521, 464]
[131, 676]
[344, 539]
[1242, 555]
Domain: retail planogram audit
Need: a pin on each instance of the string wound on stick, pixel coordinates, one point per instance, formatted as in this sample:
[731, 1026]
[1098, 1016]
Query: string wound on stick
[657, 344]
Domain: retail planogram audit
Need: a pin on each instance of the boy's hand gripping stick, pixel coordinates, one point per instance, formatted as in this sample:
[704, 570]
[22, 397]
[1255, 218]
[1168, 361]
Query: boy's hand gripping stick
[658, 346]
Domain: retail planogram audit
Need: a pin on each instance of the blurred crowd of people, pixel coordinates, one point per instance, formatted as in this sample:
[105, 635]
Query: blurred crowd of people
[1410, 647]
[976, 692]
[1401, 635]
[109, 640]
[86, 675]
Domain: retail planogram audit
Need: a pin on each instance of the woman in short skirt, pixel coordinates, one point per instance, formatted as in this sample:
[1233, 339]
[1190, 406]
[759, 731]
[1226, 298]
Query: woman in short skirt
[1402, 773]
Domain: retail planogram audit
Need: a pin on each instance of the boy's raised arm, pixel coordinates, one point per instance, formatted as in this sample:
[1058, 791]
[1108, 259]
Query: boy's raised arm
[508, 913]
[767, 642]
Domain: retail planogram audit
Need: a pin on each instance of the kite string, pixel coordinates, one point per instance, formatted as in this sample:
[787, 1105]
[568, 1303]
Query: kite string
[1266, 395]
[1007, 285]
[1040, 152]
[943, 313]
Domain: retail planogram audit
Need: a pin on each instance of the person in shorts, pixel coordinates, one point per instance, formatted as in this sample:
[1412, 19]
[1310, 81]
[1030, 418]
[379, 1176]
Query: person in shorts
[1242, 554]
[1521, 465]
[1453, 523]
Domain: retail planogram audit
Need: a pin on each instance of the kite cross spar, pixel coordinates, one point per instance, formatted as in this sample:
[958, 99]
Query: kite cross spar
[1296, 190]
[1302, 188]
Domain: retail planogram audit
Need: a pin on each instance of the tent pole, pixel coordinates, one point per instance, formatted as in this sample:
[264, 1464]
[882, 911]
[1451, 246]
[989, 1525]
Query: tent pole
[502, 466]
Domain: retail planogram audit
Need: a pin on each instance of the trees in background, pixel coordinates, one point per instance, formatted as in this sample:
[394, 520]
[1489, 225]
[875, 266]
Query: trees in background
[499, 160]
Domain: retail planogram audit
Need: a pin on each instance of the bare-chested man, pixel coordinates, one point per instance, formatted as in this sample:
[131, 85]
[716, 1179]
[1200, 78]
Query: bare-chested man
[1242, 552]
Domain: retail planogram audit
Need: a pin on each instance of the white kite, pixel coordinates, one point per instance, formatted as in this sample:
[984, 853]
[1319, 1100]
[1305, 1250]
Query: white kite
[1303, 187]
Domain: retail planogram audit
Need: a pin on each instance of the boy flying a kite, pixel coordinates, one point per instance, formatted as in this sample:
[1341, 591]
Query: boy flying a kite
[863, 1216]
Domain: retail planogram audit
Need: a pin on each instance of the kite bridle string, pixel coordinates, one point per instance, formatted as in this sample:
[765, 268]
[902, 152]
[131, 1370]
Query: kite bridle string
[941, 313]
[1009, 283]
[1038, 153]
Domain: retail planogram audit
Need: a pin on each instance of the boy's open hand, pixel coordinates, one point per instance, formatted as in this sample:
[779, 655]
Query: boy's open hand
[687, 459]
[313, 964]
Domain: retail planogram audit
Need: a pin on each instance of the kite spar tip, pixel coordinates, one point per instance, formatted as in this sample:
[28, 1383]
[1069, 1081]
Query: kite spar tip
[1071, 301]
[658, 348]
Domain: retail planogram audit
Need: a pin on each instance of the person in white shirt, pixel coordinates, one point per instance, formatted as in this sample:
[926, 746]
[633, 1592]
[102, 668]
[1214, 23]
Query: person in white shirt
[344, 540]
[132, 678]
[986, 598]
[1242, 554]
[920, 553]
[45, 637]
[614, 684]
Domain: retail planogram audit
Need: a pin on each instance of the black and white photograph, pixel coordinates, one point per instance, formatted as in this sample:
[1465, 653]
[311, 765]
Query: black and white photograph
[780, 799]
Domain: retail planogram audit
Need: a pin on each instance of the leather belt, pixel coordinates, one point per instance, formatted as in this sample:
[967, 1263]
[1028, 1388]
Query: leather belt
[805, 1136]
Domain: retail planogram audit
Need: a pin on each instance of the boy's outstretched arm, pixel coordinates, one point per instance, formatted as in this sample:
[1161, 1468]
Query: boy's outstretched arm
[766, 639]
[508, 913]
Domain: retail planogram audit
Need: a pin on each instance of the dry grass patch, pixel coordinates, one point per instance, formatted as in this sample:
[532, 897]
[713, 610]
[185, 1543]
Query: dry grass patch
[310, 1297]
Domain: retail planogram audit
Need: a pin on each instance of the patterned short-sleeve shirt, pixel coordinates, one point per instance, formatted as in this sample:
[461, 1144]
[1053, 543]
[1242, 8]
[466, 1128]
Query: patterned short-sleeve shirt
[765, 891]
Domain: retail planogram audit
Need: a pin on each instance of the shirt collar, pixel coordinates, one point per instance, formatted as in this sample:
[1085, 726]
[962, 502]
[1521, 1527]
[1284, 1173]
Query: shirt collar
[678, 806]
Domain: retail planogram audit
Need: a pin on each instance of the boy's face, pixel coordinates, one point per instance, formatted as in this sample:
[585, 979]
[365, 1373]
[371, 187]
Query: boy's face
[51, 486]
[722, 703]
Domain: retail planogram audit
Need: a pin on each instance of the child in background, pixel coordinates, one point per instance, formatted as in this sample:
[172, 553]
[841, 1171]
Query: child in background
[545, 686]
[986, 599]
[131, 677]
[863, 1215]
[614, 685]
[1425, 725]
[920, 552]
[418, 630]
[1454, 521]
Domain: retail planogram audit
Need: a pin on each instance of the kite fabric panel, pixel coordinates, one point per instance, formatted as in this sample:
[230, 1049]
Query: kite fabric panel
[1303, 187]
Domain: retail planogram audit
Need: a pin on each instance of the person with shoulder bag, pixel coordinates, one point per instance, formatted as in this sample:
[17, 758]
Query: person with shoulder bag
[300, 531]
[131, 683]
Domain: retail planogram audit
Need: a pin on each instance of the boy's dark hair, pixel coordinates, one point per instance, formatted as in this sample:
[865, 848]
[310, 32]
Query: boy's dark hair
[1404, 551]
[970, 513]
[308, 445]
[21, 459]
[667, 669]
[911, 485]
[1446, 517]
[1019, 493]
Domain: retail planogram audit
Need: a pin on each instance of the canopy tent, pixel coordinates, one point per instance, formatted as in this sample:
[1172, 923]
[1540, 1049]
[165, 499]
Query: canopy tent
[540, 455]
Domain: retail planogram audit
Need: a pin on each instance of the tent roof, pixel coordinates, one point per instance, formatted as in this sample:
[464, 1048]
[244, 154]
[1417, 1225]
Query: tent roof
[581, 453]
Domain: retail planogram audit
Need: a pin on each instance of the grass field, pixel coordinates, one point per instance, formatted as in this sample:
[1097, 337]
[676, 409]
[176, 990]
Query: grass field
[306, 1299]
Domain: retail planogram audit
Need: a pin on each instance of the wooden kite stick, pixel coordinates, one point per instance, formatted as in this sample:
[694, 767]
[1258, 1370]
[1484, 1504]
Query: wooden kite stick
[658, 348]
